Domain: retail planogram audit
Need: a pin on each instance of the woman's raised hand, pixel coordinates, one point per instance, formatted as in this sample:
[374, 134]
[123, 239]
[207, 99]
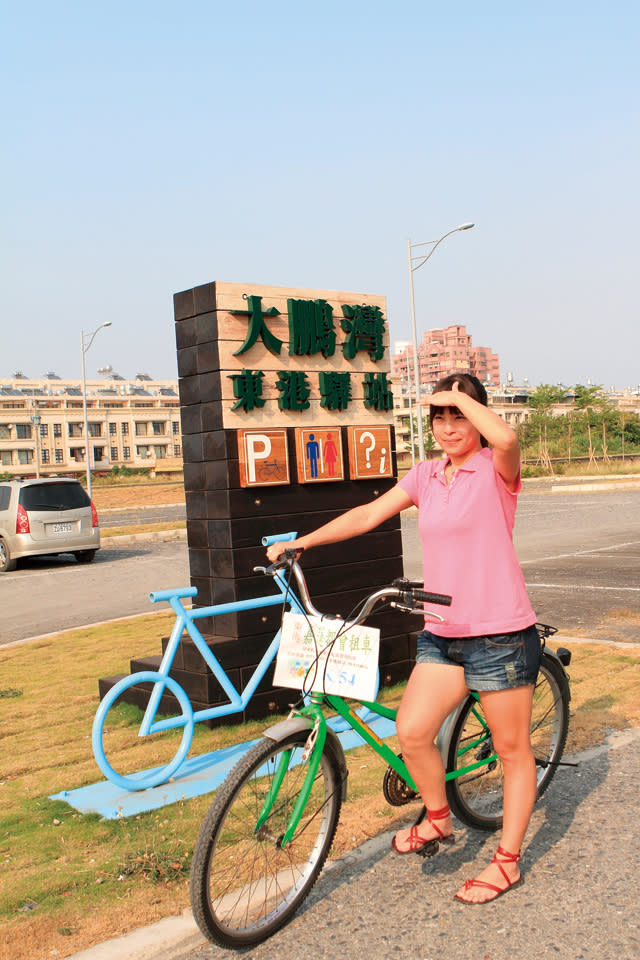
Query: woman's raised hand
[444, 398]
[276, 550]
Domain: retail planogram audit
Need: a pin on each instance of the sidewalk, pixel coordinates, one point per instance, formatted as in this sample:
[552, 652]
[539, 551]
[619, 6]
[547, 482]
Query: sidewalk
[579, 899]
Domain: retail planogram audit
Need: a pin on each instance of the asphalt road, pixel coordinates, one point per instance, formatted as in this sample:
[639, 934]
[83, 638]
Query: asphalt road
[48, 594]
[579, 551]
[580, 554]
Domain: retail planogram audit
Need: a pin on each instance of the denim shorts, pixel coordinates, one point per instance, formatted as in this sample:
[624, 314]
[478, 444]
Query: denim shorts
[495, 662]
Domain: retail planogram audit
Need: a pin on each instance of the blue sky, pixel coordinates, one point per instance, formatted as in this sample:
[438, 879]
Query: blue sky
[150, 147]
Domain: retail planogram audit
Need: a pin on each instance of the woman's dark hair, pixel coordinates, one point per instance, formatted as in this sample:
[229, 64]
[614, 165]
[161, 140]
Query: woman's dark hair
[468, 384]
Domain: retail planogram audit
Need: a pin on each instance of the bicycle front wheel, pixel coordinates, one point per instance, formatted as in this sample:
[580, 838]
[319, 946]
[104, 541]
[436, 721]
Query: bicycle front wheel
[244, 884]
[476, 797]
[117, 742]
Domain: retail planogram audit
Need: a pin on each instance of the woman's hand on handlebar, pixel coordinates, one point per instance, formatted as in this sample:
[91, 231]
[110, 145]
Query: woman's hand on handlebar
[276, 550]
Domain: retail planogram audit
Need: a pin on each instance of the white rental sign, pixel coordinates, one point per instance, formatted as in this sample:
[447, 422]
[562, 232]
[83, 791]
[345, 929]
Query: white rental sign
[319, 654]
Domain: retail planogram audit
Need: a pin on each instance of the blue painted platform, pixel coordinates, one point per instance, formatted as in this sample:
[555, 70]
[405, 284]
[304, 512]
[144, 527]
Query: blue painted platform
[198, 775]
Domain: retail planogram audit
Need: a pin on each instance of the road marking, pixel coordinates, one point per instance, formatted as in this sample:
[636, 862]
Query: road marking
[583, 586]
[582, 553]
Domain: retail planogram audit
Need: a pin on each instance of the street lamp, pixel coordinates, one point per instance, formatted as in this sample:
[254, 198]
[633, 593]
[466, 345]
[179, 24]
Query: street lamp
[411, 434]
[35, 420]
[86, 339]
[416, 369]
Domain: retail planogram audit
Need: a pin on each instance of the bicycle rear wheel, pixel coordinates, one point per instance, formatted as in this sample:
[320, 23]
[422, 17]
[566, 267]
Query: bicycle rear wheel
[476, 797]
[244, 885]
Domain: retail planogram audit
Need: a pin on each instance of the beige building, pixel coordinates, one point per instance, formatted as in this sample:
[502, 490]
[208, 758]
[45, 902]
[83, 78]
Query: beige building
[132, 423]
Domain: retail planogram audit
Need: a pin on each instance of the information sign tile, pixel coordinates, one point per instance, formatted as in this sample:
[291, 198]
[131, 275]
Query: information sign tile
[370, 452]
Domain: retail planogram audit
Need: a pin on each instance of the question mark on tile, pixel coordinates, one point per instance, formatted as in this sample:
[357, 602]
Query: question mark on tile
[369, 447]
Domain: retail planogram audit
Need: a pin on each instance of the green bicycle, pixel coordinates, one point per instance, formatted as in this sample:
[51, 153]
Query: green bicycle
[268, 832]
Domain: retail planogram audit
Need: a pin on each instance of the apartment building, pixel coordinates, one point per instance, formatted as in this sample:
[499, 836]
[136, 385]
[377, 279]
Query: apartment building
[445, 351]
[132, 423]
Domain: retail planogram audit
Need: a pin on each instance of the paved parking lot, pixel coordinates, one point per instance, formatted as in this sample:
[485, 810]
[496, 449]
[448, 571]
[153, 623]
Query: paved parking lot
[580, 555]
[586, 582]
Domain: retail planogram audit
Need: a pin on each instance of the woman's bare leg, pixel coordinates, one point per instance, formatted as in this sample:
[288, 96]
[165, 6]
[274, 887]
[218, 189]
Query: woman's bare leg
[508, 713]
[433, 691]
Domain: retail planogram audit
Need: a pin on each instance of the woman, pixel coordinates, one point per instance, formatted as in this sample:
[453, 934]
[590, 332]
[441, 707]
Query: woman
[488, 643]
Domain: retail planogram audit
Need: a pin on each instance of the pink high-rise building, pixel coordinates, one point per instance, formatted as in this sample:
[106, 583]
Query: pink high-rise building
[446, 351]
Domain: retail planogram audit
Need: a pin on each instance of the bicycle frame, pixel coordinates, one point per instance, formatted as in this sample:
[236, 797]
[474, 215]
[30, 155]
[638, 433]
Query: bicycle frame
[238, 700]
[312, 714]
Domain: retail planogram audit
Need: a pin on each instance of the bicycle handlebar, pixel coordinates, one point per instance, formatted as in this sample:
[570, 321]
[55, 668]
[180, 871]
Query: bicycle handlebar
[278, 538]
[417, 586]
[426, 597]
[405, 594]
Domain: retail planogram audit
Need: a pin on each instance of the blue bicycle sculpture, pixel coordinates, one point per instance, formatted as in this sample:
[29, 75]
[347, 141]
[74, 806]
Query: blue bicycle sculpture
[163, 683]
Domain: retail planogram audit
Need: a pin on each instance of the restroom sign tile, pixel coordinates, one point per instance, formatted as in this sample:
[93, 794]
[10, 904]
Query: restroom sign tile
[319, 454]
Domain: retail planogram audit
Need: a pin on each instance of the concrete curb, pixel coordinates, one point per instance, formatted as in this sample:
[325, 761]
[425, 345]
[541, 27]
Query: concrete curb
[145, 942]
[152, 536]
[592, 485]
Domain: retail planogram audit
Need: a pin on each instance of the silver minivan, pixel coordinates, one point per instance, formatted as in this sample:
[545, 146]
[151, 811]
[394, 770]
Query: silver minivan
[53, 515]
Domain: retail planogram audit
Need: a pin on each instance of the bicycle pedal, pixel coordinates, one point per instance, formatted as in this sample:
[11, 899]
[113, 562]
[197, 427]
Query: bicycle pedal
[430, 849]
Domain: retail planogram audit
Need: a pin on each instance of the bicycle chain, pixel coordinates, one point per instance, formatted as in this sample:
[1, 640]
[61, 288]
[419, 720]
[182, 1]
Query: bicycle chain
[396, 791]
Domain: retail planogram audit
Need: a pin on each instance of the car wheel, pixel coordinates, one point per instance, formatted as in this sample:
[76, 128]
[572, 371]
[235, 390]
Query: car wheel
[6, 562]
[85, 556]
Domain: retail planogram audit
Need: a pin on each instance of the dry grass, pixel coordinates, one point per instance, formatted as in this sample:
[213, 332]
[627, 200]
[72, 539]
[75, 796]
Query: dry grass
[69, 880]
[145, 493]
[602, 468]
[617, 624]
[604, 692]
[583, 470]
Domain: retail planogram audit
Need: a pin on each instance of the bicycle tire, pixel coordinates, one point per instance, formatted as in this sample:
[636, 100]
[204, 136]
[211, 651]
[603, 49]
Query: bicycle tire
[244, 885]
[477, 798]
[142, 780]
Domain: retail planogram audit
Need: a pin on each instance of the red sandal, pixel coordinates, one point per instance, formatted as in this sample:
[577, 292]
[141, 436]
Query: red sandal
[418, 844]
[507, 857]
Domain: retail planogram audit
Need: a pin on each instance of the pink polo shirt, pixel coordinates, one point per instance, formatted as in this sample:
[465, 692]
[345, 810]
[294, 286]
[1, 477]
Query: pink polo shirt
[466, 531]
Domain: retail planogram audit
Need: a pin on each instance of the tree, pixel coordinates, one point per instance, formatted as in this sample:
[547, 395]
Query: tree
[588, 400]
[542, 400]
[609, 419]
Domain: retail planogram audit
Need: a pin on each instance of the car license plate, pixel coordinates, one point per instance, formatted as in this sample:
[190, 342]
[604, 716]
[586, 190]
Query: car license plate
[62, 528]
